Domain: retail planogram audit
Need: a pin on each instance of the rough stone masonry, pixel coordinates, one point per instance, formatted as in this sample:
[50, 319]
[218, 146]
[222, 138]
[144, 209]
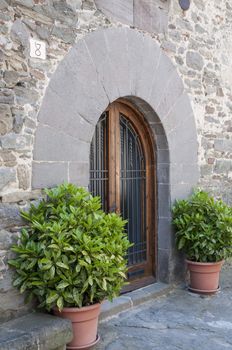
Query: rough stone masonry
[199, 43]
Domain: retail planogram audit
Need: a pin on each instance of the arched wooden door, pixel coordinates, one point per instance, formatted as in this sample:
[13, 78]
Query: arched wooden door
[122, 174]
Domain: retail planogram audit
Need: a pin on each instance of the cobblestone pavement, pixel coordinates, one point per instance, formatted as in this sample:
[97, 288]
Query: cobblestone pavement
[180, 320]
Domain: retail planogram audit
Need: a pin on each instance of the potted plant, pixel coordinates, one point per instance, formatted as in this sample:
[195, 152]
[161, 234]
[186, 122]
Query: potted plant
[204, 233]
[71, 257]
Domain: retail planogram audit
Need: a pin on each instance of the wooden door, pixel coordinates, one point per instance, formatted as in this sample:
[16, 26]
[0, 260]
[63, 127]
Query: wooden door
[122, 174]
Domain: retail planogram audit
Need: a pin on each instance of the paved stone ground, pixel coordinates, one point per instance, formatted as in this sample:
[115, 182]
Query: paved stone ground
[180, 320]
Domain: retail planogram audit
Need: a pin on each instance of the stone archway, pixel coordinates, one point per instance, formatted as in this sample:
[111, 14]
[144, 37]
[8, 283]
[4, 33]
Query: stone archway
[81, 89]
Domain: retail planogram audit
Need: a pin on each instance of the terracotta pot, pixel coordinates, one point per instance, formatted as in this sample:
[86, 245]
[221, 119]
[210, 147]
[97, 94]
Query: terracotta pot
[204, 277]
[84, 322]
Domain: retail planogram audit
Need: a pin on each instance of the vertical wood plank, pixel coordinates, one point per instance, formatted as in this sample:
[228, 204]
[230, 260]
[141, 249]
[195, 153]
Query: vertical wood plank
[114, 166]
[117, 157]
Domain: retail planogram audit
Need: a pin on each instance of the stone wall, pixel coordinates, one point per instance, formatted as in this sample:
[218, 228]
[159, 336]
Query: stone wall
[23, 81]
[199, 43]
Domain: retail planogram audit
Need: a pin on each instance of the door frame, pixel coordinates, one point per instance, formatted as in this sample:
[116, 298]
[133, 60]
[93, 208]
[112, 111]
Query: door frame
[146, 138]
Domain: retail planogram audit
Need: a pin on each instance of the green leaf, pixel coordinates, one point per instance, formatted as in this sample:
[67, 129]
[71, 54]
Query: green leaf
[78, 268]
[53, 296]
[68, 249]
[32, 264]
[62, 265]
[54, 246]
[45, 264]
[23, 287]
[122, 274]
[90, 280]
[60, 303]
[181, 243]
[37, 283]
[104, 284]
[13, 263]
[77, 297]
[87, 258]
[52, 272]
[18, 281]
[62, 285]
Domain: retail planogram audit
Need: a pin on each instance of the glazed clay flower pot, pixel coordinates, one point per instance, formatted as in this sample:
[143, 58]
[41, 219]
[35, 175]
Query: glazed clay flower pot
[84, 322]
[204, 277]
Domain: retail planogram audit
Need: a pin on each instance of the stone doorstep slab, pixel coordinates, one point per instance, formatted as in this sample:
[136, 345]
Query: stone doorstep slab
[35, 331]
[133, 299]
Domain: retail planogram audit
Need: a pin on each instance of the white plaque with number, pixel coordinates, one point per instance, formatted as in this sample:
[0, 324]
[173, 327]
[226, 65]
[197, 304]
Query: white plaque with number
[38, 49]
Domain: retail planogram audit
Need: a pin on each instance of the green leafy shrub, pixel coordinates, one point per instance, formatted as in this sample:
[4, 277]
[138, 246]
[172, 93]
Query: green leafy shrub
[204, 227]
[71, 254]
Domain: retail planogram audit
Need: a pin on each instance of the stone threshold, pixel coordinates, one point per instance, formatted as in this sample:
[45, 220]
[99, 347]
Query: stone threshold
[132, 299]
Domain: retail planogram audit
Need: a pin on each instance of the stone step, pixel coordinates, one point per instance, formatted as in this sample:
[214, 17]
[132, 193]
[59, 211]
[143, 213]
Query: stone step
[35, 331]
[132, 299]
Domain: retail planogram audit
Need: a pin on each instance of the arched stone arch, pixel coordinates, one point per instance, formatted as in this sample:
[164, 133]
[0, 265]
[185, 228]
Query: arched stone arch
[104, 66]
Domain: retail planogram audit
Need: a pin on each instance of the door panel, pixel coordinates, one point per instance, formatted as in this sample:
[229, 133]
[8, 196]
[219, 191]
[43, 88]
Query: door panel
[133, 191]
[121, 173]
[99, 172]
